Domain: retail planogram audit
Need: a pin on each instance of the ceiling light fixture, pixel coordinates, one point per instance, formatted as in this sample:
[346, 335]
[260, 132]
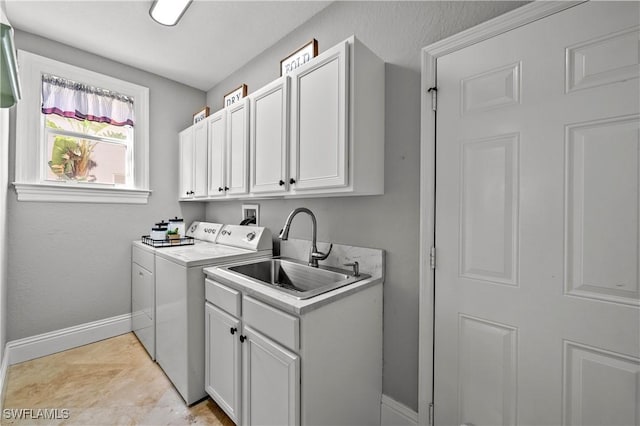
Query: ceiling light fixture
[168, 12]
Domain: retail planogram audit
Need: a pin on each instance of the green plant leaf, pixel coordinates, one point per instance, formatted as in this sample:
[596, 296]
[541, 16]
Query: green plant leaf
[50, 124]
[61, 146]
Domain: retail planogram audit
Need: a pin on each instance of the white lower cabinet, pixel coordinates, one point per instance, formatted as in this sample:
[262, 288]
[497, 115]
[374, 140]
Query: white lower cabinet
[223, 361]
[271, 384]
[265, 366]
[268, 375]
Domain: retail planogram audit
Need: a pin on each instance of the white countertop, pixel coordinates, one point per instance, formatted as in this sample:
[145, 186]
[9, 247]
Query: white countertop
[371, 263]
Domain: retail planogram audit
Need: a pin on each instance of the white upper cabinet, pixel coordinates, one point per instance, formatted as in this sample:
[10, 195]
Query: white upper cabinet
[337, 123]
[319, 131]
[193, 162]
[269, 136]
[217, 139]
[186, 163]
[200, 159]
[319, 157]
[238, 148]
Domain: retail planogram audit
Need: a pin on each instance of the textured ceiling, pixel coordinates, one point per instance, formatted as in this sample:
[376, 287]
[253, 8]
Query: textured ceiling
[211, 41]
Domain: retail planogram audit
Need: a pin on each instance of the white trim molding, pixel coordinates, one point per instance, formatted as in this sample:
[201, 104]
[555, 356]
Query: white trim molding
[499, 25]
[68, 338]
[77, 193]
[393, 413]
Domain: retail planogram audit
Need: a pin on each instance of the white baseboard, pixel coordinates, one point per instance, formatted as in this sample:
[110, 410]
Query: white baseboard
[68, 338]
[4, 369]
[393, 413]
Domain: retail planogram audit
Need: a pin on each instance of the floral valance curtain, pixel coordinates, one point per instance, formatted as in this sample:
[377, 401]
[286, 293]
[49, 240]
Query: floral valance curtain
[68, 98]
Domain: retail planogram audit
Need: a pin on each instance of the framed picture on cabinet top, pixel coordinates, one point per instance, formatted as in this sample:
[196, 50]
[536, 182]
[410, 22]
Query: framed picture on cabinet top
[201, 115]
[299, 57]
[234, 96]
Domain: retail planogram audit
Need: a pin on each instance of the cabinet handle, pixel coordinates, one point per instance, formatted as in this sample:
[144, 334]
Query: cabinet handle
[226, 188]
[242, 338]
[281, 183]
[292, 181]
[220, 189]
[233, 330]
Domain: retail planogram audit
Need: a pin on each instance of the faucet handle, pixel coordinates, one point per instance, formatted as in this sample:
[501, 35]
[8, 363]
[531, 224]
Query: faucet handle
[356, 268]
[318, 255]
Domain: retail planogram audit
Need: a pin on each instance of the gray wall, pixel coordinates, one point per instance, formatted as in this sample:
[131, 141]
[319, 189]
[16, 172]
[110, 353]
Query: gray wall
[395, 31]
[70, 263]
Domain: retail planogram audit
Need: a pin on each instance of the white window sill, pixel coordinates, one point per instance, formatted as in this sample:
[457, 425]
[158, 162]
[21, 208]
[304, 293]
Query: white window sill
[80, 193]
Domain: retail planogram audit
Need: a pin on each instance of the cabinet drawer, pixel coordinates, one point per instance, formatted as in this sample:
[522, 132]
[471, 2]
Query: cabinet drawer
[223, 297]
[281, 327]
[144, 258]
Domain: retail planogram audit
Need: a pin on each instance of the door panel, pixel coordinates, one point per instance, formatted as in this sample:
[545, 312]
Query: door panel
[602, 244]
[319, 121]
[270, 138]
[238, 148]
[186, 163]
[537, 316]
[271, 382]
[489, 243]
[223, 362]
[200, 159]
[217, 137]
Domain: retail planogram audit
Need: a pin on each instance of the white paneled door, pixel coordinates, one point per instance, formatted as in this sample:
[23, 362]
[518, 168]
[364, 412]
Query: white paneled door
[537, 294]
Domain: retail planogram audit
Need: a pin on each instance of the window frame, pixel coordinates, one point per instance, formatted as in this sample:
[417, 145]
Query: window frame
[29, 183]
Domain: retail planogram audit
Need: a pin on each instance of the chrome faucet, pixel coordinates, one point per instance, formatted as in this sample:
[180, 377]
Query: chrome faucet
[314, 254]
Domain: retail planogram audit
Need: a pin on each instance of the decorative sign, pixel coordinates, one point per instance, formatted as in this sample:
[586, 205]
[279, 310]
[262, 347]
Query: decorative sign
[201, 115]
[299, 57]
[234, 96]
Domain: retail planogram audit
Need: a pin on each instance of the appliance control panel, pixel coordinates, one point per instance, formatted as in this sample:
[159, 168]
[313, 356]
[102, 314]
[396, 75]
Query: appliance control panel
[205, 231]
[247, 237]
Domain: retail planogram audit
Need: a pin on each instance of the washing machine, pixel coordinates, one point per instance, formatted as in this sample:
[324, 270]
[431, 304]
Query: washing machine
[143, 281]
[180, 322]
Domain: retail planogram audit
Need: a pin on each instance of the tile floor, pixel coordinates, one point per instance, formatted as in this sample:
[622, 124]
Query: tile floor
[112, 382]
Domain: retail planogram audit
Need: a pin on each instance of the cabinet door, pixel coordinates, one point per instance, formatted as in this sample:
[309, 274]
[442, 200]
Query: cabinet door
[319, 151]
[238, 147]
[271, 382]
[186, 163]
[200, 159]
[222, 360]
[270, 138]
[143, 307]
[217, 136]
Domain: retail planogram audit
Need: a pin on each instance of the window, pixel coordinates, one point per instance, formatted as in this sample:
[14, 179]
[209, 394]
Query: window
[87, 151]
[81, 136]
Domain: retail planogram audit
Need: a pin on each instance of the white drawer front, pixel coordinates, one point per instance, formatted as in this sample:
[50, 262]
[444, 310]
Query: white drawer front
[144, 258]
[279, 326]
[223, 297]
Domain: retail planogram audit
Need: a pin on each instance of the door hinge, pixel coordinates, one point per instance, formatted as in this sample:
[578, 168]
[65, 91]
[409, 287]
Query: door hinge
[434, 97]
[432, 258]
[431, 413]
